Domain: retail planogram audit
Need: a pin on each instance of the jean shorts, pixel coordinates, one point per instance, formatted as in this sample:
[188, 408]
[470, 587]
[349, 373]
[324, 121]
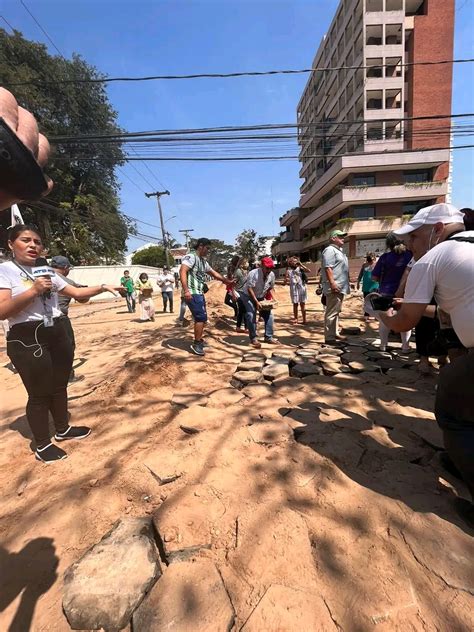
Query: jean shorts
[197, 306]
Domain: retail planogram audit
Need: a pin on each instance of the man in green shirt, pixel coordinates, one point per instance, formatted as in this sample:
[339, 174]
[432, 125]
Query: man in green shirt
[127, 282]
[192, 273]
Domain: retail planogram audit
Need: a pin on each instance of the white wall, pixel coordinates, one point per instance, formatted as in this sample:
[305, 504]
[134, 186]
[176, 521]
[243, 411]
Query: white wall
[111, 275]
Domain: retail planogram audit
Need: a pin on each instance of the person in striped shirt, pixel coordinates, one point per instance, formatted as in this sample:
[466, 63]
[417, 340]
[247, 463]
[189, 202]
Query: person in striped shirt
[193, 272]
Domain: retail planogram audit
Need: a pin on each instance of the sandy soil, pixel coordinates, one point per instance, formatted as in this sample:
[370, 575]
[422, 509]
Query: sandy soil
[351, 520]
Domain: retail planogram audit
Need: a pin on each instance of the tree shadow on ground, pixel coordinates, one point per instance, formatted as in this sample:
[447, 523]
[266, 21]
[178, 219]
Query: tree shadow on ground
[31, 572]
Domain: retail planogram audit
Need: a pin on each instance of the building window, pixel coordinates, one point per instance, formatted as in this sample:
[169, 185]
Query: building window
[363, 212]
[394, 5]
[412, 177]
[393, 34]
[393, 99]
[374, 131]
[374, 35]
[363, 180]
[374, 5]
[410, 208]
[374, 67]
[374, 99]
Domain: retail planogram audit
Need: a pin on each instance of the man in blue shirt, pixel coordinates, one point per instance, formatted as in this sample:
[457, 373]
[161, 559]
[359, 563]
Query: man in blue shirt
[335, 281]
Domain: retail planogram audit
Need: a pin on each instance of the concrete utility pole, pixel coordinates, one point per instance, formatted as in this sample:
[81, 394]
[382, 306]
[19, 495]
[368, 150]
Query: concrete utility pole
[186, 232]
[158, 194]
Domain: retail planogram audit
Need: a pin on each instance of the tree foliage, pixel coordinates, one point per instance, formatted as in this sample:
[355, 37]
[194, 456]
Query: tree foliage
[249, 245]
[220, 255]
[152, 256]
[86, 224]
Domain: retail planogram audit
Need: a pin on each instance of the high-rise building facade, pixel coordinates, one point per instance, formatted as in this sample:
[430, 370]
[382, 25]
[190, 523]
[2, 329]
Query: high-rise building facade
[372, 149]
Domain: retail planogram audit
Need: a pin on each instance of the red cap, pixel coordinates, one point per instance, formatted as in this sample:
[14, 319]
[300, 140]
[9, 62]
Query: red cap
[267, 262]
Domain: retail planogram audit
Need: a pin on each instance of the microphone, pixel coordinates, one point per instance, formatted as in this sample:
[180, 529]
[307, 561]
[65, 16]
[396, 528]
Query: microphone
[40, 270]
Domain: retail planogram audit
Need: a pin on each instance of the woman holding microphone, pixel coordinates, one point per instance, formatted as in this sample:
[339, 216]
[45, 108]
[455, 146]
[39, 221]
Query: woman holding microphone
[37, 343]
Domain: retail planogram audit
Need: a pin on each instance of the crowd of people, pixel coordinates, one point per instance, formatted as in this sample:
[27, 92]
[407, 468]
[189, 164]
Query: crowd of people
[425, 281]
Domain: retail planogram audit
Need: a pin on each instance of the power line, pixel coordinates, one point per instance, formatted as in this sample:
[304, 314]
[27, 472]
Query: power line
[40, 27]
[7, 22]
[230, 75]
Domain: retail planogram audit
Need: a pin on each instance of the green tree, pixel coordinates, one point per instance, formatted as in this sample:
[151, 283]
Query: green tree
[249, 245]
[81, 217]
[152, 256]
[220, 255]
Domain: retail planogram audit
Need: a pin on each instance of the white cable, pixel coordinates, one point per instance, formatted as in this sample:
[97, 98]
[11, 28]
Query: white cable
[39, 352]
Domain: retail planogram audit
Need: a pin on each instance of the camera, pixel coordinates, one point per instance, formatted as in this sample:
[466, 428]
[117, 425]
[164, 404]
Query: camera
[381, 303]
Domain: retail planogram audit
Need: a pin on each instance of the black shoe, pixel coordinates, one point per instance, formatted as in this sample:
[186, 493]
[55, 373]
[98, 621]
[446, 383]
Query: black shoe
[73, 432]
[50, 453]
[197, 348]
[448, 465]
[465, 510]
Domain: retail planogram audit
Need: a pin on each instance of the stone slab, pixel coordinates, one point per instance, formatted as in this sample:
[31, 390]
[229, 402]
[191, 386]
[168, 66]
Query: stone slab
[199, 418]
[331, 368]
[250, 365]
[270, 432]
[186, 524]
[257, 391]
[303, 370]
[103, 588]
[246, 377]
[190, 597]
[359, 367]
[225, 397]
[187, 399]
[274, 371]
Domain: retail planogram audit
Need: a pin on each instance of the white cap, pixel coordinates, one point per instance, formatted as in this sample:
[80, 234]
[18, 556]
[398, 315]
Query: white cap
[431, 215]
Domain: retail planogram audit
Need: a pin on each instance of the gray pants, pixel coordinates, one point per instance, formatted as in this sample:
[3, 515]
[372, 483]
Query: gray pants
[331, 315]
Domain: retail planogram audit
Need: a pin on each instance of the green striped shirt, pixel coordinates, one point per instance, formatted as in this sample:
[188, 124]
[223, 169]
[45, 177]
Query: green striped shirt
[198, 268]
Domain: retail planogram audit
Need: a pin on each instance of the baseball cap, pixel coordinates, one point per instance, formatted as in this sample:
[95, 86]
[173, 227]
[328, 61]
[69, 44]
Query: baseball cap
[267, 262]
[60, 262]
[338, 233]
[431, 215]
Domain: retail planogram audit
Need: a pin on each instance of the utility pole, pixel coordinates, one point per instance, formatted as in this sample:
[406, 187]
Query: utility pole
[186, 232]
[158, 194]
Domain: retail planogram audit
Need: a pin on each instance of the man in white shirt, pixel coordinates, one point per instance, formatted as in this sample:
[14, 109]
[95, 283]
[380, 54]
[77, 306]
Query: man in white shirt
[445, 272]
[258, 287]
[166, 284]
[335, 281]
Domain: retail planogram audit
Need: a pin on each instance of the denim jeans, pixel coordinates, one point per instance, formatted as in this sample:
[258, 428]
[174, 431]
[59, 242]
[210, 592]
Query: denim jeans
[130, 302]
[167, 296]
[251, 317]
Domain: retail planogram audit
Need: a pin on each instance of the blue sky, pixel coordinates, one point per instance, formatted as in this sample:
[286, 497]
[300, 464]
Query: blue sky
[192, 36]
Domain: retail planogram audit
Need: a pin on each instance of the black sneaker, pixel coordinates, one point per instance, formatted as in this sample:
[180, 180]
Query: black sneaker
[73, 432]
[198, 348]
[50, 453]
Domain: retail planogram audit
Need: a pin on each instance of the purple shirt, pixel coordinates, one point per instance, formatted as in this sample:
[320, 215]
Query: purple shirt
[389, 270]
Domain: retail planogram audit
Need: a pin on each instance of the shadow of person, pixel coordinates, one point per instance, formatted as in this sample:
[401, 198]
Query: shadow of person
[31, 572]
[20, 424]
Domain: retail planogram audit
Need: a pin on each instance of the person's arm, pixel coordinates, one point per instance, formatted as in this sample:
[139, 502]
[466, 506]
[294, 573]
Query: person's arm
[12, 306]
[79, 293]
[183, 277]
[253, 297]
[219, 277]
[332, 284]
[287, 277]
[328, 261]
[406, 318]
[303, 267]
[403, 282]
[361, 274]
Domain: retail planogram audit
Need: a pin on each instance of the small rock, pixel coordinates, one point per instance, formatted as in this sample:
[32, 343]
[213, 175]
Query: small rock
[93, 482]
[103, 588]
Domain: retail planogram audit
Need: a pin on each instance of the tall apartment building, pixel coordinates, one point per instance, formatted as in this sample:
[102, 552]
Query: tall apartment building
[365, 164]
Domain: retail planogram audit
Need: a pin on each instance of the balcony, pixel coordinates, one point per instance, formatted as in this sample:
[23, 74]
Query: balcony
[351, 195]
[284, 247]
[289, 217]
[287, 236]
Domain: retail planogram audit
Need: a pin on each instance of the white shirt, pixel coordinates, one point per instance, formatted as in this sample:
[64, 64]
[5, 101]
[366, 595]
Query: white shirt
[259, 283]
[166, 282]
[14, 279]
[447, 273]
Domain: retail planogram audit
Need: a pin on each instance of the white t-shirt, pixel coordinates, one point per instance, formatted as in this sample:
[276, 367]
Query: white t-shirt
[447, 273]
[166, 282]
[14, 279]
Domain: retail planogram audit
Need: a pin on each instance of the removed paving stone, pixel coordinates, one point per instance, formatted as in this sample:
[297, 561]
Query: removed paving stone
[187, 399]
[270, 432]
[241, 378]
[225, 397]
[186, 523]
[302, 370]
[190, 597]
[103, 588]
[285, 609]
[351, 331]
[250, 365]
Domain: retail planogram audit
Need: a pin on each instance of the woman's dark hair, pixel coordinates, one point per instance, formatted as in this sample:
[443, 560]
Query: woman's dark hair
[15, 231]
[394, 244]
[370, 257]
[143, 274]
[233, 265]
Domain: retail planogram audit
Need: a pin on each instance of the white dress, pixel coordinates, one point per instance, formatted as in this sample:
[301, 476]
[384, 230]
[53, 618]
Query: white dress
[298, 292]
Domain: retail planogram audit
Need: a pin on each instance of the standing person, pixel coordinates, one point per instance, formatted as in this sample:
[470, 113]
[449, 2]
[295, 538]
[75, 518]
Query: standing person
[258, 287]
[176, 280]
[296, 277]
[62, 266]
[145, 297]
[240, 277]
[365, 275]
[192, 275]
[230, 298]
[166, 284]
[38, 343]
[127, 282]
[445, 272]
[335, 281]
[388, 271]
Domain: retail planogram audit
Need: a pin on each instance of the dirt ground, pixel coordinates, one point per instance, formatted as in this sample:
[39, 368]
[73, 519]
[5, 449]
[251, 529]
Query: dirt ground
[347, 525]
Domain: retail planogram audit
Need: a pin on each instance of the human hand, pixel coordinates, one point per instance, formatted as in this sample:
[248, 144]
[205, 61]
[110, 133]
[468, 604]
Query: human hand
[258, 305]
[188, 296]
[42, 285]
[24, 125]
[335, 289]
